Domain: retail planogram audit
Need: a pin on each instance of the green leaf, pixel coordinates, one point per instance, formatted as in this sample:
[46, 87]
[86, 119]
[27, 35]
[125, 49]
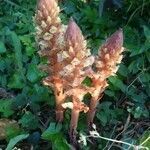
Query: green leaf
[61, 144]
[102, 117]
[33, 74]
[123, 70]
[6, 107]
[52, 130]
[147, 32]
[15, 140]
[53, 134]
[15, 41]
[16, 81]
[116, 82]
[137, 112]
[29, 121]
[12, 131]
[145, 140]
[29, 48]
[2, 47]
[109, 93]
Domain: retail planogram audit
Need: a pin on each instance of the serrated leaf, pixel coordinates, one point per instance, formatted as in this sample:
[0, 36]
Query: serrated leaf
[16, 81]
[29, 121]
[15, 140]
[6, 108]
[26, 40]
[33, 74]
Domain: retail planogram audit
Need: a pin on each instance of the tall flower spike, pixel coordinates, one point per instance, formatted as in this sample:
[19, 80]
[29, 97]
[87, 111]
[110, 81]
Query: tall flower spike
[74, 73]
[50, 36]
[106, 64]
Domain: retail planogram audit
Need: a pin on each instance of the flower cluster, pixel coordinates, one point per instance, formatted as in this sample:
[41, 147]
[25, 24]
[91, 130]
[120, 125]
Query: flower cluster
[70, 62]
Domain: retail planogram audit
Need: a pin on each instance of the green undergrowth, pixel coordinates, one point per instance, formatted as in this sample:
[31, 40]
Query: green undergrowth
[123, 112]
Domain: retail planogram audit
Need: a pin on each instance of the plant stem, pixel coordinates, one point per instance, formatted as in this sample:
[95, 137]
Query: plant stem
[73, 124]
[117, 141]
[92, 110]
[59, 100]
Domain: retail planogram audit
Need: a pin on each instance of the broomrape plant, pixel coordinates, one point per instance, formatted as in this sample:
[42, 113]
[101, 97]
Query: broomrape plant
[70, 62]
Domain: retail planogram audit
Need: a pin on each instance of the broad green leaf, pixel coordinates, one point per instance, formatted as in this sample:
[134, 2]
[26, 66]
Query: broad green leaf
[29, 48]
[145, 139]
[53, 129]
[102, 117]
[115, 81]
[17, 48]
[131, 42]
[33, 74]
[6, 107]
[29, 121]
[123, 70]
[16, 81]
[137, 112]
[12, 131]
[15, 140]
[53, 134]
[61, 143]
[109, 93]
[15, 41]
[2, 47]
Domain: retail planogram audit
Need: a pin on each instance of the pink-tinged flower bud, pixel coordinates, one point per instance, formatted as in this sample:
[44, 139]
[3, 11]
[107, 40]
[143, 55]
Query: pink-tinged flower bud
[110, 55]
[114, 43]
[73, 34]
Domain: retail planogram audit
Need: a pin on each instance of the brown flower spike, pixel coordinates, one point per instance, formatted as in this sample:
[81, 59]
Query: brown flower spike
[106, 64]
[70, 62]
[50, 37]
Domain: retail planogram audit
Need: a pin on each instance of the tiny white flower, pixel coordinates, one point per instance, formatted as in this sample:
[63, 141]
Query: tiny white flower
[89, 61]
[43, 24]
[53, 30]
[49, 20]
[68, 105]
[75, 62]
[59, 57]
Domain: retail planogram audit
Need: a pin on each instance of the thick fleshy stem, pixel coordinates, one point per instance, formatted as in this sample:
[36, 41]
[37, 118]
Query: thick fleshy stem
[107, 65]
[92, 110]
[74, 122]
[60, 97]
[78, 107]
[73, 126]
